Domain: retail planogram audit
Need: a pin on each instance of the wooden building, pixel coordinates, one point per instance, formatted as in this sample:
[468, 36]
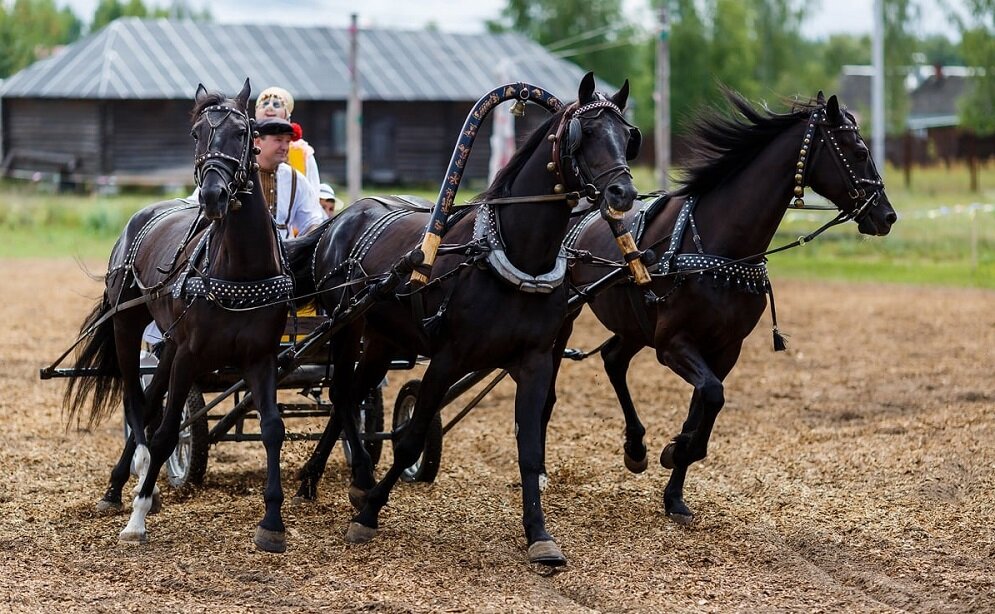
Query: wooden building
[114, 107]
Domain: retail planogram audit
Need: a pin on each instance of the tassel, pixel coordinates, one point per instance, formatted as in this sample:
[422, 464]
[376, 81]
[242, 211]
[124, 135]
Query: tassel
[780, 343]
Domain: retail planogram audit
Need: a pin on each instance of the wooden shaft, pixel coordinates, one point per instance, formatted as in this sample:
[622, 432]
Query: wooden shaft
[630, 251]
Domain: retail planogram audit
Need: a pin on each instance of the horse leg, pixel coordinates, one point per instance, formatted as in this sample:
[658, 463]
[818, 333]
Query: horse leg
[111, 501]
[345, 351]
[161, 446]
[534, 377]
[440, 375]
[547, 411]
[369, 373]
[691, 445]
[617, 356]
[261, 377]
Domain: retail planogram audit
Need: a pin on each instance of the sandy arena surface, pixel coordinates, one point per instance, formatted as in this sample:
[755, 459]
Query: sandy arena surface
[855, 472]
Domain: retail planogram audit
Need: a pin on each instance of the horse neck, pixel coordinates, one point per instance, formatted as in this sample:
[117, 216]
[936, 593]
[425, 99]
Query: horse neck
[244, 244]
[739, 218]
[532, 232]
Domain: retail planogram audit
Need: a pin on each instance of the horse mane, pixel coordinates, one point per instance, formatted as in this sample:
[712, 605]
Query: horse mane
[721, 145]
[501, 186]
[212, 98]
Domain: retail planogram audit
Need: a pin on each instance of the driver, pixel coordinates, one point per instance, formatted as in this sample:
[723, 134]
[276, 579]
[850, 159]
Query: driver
[288, 194]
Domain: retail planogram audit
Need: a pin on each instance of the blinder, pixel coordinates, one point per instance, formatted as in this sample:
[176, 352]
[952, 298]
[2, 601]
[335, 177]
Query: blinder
[634, 144]
[575, 136]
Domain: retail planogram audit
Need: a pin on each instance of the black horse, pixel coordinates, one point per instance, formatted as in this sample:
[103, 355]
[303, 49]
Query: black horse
[711, 283]
[496, 298]
[213, 278]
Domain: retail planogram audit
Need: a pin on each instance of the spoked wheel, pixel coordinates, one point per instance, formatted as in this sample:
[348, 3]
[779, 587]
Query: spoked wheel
[370, 421]
[188, 462]
[427, 466]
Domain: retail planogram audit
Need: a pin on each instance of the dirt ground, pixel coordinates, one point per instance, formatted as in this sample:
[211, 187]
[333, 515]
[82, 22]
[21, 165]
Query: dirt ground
[854, 472]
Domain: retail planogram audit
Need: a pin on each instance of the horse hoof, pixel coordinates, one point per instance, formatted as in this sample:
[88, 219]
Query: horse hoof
[109, 507]
[270, 541]
[667, 456]
[359, 534]
[546, 553]
[133, 537]
[682, 519]
[156, 503]
[635, 466]
[300, 500]
[357, 496]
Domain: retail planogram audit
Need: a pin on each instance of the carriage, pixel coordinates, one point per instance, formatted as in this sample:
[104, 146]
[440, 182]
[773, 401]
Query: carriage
[522, 286]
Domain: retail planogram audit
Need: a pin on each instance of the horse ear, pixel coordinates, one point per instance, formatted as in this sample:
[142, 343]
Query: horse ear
[243, 96]
[622, 95]
[820, 97]
[833, 107]
[201, 93]
[586, 90]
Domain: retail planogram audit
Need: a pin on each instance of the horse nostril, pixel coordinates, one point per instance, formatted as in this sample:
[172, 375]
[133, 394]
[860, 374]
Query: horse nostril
[891, 217]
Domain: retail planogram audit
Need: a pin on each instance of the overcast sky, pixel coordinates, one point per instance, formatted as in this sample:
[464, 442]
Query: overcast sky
[825, 17]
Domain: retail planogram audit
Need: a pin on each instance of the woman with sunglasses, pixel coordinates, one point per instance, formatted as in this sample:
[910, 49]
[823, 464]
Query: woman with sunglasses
[277, 102]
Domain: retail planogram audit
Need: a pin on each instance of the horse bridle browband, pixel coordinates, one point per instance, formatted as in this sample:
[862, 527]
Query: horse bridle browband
[238, 180]
[566, 142]
[819, 120]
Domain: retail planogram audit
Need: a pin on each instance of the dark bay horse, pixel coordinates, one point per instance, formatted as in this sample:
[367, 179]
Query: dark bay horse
[496, 297]
[711, 282]
[213, 277]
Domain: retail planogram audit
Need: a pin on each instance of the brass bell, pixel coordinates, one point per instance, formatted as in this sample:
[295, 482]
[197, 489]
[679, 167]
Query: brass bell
[800, 165]
[558, 188]
[551, 138]
[798, 178]
[256, 151]
[518, 109]
[551, 167]
[799, 191]
[799, 203]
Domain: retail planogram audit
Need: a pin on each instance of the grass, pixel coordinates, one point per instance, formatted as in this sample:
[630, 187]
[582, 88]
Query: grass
[954, 249]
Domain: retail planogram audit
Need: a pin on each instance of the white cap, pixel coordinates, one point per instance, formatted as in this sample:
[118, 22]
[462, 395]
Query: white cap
[326, 191]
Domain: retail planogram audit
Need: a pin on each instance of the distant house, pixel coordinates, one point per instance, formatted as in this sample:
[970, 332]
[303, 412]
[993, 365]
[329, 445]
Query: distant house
[932, 125]
[115, 105]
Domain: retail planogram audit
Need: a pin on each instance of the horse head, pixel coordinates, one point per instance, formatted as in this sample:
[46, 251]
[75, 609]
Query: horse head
[597, 144]
[837, 164]
[224, 156]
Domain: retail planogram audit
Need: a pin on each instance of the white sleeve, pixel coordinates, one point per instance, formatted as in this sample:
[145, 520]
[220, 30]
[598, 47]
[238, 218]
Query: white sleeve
[307, 211]
[312, 172]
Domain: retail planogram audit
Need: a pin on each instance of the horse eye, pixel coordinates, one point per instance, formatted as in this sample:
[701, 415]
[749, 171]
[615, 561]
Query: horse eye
[861, 154]
[193, 133]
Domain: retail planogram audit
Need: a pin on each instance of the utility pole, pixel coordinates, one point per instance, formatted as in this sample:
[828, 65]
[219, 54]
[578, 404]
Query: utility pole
[877, 88]
[662, 99]
[354, 119]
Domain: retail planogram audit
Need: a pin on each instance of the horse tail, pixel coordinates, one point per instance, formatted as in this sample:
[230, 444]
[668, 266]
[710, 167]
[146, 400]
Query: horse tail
[98, 354]
[300, 256]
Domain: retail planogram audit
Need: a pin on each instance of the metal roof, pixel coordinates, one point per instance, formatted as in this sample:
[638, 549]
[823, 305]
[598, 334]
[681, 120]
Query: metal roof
[165, 59]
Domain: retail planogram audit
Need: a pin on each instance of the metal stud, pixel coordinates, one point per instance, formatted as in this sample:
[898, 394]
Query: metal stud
[551, 138]
[551, 166]
[558, 188]
[799, 191]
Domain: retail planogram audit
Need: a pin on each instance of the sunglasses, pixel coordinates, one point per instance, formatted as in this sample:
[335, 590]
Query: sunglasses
[273, 102]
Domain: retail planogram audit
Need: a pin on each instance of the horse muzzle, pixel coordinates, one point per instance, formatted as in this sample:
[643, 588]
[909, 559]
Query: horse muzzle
[214, 201]
[618, 197]
[879, 217]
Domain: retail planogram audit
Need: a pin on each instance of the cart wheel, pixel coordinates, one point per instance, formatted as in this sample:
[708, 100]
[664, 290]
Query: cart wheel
[427, 466]
[370, 421]
[188, 462]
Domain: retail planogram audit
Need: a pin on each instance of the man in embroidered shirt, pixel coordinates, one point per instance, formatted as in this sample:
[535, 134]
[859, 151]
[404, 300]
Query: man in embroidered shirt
[288, 194]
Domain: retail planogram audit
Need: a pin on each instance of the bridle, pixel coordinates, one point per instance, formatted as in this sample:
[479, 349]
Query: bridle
[236, 173]
[570, 167]
[864, 192]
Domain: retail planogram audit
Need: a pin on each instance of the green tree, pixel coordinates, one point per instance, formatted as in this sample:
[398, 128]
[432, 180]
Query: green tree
[900, 19]
[977, 106]
[109, 10]
[593, 34]
[31, 29]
